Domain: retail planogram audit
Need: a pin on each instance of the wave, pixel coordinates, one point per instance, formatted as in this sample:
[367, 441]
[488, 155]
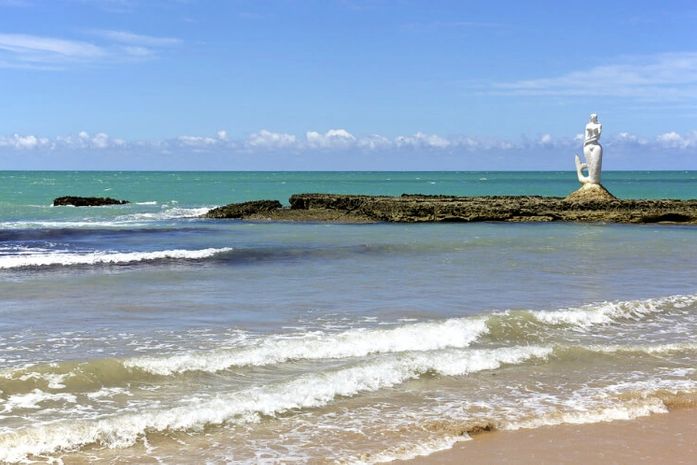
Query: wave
[497, 329]
[609, 312]
[456, 333]
[31, 400]
[127, 220]
[307, 391]
[653, 349]
[103, 258]
[73, 376]
[86, 376]
[165, 214]
[532, 326]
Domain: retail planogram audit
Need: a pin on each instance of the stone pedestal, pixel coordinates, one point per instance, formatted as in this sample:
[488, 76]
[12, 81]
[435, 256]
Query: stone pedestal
[591, 193]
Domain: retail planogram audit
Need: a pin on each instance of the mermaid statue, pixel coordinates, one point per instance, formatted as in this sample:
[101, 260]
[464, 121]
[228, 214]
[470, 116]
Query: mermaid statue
[593, 152]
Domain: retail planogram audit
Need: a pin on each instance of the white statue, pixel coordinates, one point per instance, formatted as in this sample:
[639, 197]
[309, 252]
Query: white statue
[593, 152]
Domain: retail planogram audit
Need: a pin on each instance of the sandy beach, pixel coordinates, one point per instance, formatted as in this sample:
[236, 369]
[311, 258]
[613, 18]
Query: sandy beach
[665, 438]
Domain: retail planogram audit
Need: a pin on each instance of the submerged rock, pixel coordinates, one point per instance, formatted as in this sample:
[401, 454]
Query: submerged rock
[244, 209]
[87, 201]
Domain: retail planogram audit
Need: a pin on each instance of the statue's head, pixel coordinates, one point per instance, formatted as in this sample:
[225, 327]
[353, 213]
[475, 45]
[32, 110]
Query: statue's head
[594, 118]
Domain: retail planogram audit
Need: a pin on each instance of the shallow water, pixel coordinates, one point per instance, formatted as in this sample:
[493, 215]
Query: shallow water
[139, 334]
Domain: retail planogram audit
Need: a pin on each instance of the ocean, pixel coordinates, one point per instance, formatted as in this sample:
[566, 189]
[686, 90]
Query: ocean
[140, 333]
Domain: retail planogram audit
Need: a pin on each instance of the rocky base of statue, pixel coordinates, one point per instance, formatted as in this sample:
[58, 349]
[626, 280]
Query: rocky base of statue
[591, 192]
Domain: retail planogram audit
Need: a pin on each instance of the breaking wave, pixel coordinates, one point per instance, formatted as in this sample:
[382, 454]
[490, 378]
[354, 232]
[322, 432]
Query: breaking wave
[127, 220]
[102, 258]
[608, 312]
[456, 333]
[306, 391]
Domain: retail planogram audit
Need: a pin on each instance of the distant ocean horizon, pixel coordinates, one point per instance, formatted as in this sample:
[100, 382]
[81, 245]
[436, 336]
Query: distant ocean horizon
[143, 333]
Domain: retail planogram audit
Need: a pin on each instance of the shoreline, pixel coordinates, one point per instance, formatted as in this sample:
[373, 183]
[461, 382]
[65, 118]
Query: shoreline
[659, 438]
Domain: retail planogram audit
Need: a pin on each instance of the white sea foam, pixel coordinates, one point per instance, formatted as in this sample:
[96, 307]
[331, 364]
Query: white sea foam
[127, 220]
[165, 214]
[107, 393]
[608, 312]
[625, 400]
[98, 258]
[31, 400]
[646, 388]
[306, 391]
[457, 333]
[647, 349]
[41, 224]
[411, 451]
[54, 380]
[627, 410]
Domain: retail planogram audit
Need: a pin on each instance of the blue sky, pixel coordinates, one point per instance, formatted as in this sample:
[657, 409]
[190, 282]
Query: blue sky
[345, 84]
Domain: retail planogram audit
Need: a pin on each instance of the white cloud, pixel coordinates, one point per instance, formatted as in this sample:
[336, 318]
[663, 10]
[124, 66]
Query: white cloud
[674, 140]
[627, 138]
[84, 140]
[197, 141]
[332, 139]
[374, 142]
[127, 37]
[19, 142]
[138, 51]
[200, 143]
[29, 48]
[421, 140]
[342, 141]
[658, 76]
[271, 140]
[136, 45]
[25, 50]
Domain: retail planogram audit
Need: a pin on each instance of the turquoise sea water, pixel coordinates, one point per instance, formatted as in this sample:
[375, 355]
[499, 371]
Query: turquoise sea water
[22, 191]
[141, 333]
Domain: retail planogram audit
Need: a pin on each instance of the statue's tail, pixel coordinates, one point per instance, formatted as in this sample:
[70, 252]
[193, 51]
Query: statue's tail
[579, 171]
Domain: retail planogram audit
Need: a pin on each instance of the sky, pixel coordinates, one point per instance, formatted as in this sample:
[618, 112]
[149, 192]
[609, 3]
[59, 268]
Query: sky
[345, 84]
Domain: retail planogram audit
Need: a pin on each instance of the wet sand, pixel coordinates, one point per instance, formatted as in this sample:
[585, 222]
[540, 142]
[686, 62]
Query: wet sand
[659, 439]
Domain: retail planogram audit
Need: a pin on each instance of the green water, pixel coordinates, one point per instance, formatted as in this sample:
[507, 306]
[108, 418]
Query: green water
[26, 195]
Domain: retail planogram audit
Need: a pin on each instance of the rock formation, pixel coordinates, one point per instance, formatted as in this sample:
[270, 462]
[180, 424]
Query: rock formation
[244, 209]
[591, 193]
[426, 208]
[87, 201]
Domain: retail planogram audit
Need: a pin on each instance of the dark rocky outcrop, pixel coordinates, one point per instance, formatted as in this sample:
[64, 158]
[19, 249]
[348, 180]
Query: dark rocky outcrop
[87, 201]
[244, 209]
[411, 208]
